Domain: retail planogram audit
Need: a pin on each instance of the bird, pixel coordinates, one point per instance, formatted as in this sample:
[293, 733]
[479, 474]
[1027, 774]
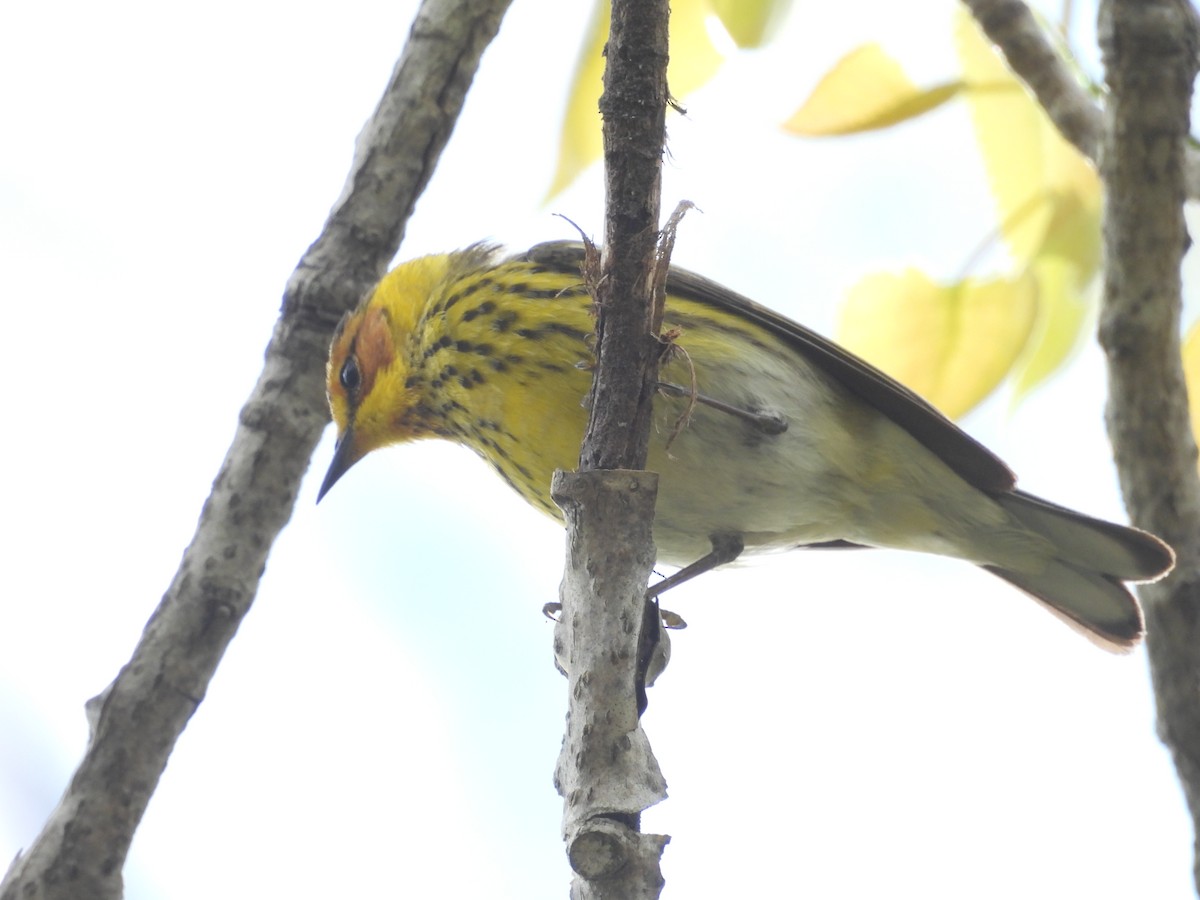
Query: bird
[766, 435]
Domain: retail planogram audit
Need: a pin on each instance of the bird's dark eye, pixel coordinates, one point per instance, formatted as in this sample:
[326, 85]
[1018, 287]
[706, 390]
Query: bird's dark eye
[350, 376]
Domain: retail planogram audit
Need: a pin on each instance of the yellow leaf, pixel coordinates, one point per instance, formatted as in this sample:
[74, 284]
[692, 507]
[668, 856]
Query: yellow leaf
[1049, 199]
[750, 23]
[694, 59]
[580, 144]
[1062, 309]
[1191, 374]
[953, 344]
[693, 62]
[866, 90]
[1073, 232]
[1047, 193]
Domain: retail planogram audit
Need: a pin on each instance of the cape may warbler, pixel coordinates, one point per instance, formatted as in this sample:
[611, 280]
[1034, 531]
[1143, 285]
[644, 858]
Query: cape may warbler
[783, 439]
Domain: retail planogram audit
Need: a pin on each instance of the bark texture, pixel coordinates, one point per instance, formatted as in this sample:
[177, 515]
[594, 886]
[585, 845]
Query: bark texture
[634, 110]
[606, 771]
[1150, 55]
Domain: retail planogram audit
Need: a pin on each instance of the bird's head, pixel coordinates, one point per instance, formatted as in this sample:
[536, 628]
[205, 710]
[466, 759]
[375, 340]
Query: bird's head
[372, 398]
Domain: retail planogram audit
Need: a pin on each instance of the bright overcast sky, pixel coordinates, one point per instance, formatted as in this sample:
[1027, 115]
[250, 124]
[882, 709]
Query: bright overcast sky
[386, 722]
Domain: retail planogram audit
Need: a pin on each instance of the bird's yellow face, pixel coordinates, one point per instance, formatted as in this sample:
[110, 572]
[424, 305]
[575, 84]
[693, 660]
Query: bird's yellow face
[366, 378]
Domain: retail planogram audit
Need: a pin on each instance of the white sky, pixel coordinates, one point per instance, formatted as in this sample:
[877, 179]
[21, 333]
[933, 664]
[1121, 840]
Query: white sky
[386, 722]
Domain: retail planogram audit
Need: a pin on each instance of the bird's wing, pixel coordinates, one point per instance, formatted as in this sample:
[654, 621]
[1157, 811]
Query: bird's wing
[966, 456]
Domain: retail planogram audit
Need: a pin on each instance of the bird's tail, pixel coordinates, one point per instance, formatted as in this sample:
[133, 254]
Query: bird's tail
[1083, 583]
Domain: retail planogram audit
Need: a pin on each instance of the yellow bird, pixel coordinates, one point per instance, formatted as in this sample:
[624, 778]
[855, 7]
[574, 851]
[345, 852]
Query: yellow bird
[783, 440]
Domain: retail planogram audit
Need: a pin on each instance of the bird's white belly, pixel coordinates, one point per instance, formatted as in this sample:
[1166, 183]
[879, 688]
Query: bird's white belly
[841, 470]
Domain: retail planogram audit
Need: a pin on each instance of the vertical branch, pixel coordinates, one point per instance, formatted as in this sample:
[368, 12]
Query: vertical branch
[634, 110]
[137, 720]
[606, 772]
[1150, 55]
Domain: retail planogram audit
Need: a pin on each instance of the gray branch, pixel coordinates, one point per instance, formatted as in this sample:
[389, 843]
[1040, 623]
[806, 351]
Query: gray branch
[136, 721]
[1150, 55]
[1011, 26]
[606, 771]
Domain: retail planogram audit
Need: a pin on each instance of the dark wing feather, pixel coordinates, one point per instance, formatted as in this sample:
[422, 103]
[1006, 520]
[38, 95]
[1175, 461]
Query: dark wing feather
[966, 456]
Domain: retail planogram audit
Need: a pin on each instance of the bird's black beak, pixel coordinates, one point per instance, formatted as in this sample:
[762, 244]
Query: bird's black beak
[345, 456]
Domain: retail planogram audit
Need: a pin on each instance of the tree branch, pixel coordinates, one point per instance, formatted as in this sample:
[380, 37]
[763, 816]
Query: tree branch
[634, 109]
[1150, 54]
[1011, 26]
[137, 720]
[606, 772]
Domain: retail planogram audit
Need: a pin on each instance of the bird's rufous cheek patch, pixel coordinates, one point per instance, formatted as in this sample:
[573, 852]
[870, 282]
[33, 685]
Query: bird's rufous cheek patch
[374, 346]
